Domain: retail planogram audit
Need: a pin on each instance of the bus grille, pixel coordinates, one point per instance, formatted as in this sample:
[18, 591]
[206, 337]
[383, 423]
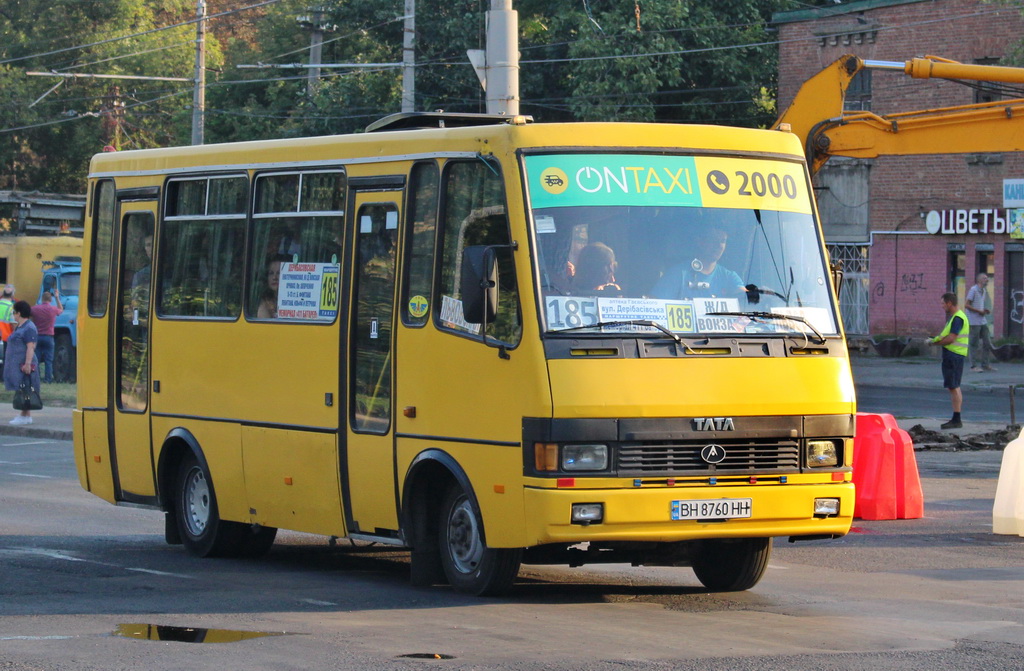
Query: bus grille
[671, 458]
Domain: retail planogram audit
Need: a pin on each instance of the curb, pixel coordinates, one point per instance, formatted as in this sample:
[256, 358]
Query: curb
[36, 432]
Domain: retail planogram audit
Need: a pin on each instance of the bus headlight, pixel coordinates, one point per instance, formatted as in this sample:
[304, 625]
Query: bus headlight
[587, 513]
[584, 457]
[822, 453]
[826, 507]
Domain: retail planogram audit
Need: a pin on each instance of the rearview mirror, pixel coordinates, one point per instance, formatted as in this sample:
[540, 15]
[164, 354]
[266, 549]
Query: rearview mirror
[837, 276]
[478, 282]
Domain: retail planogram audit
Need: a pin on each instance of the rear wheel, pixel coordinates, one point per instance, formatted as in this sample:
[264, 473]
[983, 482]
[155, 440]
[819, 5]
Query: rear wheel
[471, 566]
[64, 359]
[732, 565]
[202, 531]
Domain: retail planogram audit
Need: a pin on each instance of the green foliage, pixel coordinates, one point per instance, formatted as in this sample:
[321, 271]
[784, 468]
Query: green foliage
[47, 136]
[692, 61]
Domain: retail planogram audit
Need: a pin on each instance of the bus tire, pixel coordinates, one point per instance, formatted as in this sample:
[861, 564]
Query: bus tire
[202, 531]
[64, 359]
[732, 565]
[471, 566]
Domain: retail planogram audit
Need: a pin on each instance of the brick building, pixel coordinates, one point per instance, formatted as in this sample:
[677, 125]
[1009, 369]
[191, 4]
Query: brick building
[912, 227]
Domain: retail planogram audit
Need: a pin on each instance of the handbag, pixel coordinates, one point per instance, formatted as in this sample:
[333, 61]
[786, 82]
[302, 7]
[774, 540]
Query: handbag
[26, 397]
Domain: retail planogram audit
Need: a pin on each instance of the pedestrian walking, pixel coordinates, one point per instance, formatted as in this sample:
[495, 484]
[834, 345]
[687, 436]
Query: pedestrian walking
[21, 356]
[977, 311]
[954, 340]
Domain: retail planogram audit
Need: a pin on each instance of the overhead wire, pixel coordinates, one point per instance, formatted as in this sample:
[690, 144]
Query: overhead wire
[460, 62]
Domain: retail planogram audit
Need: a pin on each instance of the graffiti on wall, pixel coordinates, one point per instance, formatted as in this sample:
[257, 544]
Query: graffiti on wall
[1017, 303]
[913, 283]
[877, 292]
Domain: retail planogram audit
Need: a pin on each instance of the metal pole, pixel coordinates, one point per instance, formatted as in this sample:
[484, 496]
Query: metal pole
[409, 58]
[199, 94]
[316, 39]
[1013, 410]
[502, 74]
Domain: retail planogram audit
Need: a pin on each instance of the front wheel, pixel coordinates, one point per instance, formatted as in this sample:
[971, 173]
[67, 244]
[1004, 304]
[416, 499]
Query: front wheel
[202, 531]
[471, 566]
[732, 565]
[64, 359]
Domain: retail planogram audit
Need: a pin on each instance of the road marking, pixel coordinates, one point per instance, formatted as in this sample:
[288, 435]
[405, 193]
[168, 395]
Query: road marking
[34, 442]
[56, 554]
[318, 602]
[35, 638]
[31, 475]
[151, 571]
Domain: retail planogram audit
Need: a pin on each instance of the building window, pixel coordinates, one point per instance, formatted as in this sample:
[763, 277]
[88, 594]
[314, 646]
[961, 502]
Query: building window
[957, 265]
[858, 93]
[854, 297]
[987, 92]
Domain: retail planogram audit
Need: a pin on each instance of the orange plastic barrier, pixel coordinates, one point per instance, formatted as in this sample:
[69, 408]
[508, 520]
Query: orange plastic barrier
[885, 471]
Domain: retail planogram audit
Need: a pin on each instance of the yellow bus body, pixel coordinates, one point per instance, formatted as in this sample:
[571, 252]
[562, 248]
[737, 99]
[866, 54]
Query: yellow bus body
[268, 406]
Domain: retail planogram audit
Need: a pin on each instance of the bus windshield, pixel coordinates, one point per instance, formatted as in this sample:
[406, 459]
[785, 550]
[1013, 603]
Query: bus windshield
[695, 245]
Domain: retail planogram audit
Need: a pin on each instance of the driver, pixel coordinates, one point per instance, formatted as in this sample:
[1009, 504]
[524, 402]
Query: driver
[703, 276]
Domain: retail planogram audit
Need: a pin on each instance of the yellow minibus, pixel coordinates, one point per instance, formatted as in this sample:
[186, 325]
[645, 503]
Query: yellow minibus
[490, 341]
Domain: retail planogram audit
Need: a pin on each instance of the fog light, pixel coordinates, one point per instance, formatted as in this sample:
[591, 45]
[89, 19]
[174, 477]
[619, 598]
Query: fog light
[826, 507]
[587, 513]
[821, 453]
[584, 457]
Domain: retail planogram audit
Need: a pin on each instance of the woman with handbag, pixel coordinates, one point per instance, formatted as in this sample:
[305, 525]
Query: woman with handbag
[21, 367]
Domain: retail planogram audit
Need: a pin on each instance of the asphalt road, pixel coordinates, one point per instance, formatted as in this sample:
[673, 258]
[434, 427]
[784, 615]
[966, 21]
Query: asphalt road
[936, 593]
[983, 406]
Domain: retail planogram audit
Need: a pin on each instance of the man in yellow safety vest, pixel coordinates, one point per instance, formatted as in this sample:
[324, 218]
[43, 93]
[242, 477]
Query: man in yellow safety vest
[954, 341]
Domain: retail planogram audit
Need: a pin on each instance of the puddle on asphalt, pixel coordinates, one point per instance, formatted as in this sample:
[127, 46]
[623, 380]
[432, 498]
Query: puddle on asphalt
[160, 632]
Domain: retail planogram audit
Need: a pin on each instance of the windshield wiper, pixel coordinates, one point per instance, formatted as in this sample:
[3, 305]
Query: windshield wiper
[627, 322]
[761, 316]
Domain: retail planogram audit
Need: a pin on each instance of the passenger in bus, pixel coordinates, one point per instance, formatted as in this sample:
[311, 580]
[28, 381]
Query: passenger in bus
[702, 277]
[20, 356]
[288, 242]
[140, 280]
[267, 308]
[595, 271]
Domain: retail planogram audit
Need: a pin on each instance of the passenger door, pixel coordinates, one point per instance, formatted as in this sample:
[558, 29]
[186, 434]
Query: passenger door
[370, 481]
[129, 381]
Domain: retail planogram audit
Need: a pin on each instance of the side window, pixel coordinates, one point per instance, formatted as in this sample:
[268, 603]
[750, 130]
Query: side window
[201, 251]
[296, 240]
[474, 214]
[136, 279]
[376, 243]
[102, 241]
[420, 230]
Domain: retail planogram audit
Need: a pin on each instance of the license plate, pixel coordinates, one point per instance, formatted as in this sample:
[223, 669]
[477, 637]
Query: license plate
[711, 509]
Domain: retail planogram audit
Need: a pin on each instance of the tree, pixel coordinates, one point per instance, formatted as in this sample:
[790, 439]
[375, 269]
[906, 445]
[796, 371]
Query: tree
[50, 132]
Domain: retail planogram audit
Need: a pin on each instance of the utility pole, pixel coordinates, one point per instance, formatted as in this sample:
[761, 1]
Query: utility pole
[498, 65]
[199, 94]
[315, 24]
[409, 58]
[113, 116]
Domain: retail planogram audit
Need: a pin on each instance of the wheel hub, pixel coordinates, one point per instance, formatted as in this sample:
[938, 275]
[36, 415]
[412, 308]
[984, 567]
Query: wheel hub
[197, 502]
[464, 538]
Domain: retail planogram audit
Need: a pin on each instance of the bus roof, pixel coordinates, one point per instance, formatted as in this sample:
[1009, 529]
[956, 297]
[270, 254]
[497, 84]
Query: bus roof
[406, 144]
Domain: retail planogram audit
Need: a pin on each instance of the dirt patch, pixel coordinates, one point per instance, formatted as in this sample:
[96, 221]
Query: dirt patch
[926, 439]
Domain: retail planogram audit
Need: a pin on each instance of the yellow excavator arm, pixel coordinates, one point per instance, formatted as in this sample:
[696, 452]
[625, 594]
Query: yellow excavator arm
[817, 116]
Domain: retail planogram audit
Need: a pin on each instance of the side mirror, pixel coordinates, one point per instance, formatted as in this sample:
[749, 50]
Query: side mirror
[836, 267]
[478, 282]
